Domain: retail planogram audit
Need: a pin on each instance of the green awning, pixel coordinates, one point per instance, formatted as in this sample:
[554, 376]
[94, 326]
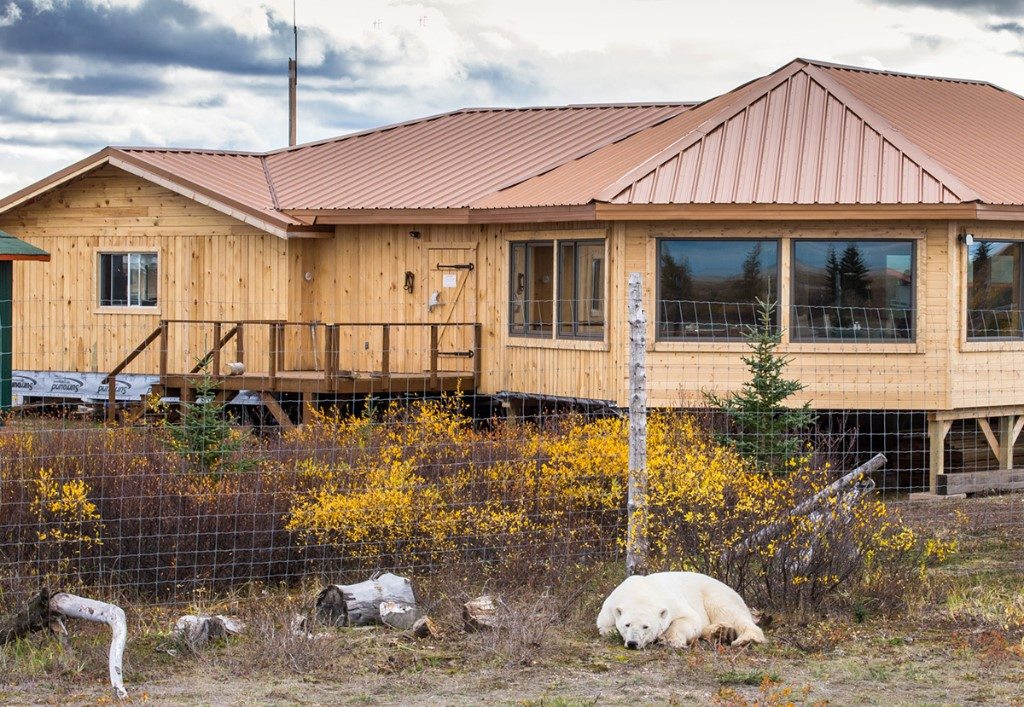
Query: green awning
[12, 248]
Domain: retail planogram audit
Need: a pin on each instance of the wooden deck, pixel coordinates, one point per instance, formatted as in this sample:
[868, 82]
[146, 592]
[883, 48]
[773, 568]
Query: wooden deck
[431, 358]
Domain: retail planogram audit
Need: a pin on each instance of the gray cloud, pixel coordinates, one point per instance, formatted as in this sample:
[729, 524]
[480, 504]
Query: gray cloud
[1012, 27]
[107, 84]
[160, 33]
[1003, 8]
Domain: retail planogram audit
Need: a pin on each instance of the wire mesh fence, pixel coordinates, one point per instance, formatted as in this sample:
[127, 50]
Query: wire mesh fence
[240, 452]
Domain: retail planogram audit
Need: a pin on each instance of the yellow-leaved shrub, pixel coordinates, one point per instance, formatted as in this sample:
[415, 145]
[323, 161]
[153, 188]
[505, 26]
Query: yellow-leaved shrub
[421, 486]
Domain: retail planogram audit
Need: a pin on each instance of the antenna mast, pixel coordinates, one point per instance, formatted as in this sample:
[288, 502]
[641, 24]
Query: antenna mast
[293, 81]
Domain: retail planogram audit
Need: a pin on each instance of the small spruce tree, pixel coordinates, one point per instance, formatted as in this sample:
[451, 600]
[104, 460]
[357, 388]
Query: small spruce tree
[204, 435]
[763, 429]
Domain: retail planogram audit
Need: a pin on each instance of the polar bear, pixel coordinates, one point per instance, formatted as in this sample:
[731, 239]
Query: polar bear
[677, 608]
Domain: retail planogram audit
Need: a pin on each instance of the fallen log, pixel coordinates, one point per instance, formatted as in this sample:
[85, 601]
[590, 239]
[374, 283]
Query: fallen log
[45, 609]
[359, 604]
[853, 485]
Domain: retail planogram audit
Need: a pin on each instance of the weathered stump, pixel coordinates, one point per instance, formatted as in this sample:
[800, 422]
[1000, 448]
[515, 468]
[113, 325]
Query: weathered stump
[480, 613]
[359, 604]
[197, 630]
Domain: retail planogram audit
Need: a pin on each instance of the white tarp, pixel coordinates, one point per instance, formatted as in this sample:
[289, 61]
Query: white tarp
[90, 388]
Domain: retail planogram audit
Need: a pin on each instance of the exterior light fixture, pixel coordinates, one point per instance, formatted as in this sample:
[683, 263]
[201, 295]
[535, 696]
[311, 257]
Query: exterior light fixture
[415, 234]
[966, 239]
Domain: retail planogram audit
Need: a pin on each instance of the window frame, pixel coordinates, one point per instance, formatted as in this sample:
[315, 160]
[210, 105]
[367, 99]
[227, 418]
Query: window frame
[658, 337]
[528, 273]
[577, 296]
[914, 275]
[110, 252]
[553, 336]
[968, 338]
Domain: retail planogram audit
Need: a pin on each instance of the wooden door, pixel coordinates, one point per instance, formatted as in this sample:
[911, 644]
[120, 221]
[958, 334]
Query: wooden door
[451, 304]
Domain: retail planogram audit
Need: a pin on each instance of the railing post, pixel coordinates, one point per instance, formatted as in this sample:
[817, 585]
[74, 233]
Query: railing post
[331, 346]
[433, 354]
[111, 398]
[385, 352]
[280, 345]
[216, 349]
[240, 344]
[272, 354]
[164, 351]
[478, 338]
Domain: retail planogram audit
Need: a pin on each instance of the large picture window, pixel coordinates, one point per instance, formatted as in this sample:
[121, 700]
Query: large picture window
[128, 279]
[853, 290]
[708, 288]
[532, 288]
[994, 290]
[581, 289]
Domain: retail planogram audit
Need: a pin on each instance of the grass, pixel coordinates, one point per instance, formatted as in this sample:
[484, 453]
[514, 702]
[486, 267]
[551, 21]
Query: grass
[960, 640]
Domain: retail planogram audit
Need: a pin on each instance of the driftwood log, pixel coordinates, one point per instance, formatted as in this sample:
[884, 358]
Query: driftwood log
[45, 609]
[360, 604]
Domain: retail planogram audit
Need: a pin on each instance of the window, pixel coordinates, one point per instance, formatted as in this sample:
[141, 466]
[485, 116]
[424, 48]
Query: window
[708, 289]
[128, 279]
[532, 288]
[853, 290]
[994, 290]
[581, 289]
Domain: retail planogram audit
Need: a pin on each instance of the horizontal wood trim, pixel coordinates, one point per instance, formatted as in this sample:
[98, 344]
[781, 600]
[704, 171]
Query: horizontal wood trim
[39, 258]
[148, 311]
[524, 342]
[977, 412]
[783, 212]
[379, 216]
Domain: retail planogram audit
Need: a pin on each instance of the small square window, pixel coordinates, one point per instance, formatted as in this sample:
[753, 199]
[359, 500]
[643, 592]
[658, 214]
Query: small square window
[128, 279]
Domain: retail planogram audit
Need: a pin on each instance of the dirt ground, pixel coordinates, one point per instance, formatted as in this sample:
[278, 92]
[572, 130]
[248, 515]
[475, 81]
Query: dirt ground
[964, 644]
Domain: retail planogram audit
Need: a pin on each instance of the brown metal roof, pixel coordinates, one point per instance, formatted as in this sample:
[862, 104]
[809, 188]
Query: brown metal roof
[796, 136]
[807, 134]
[451, 160]
[974, 129]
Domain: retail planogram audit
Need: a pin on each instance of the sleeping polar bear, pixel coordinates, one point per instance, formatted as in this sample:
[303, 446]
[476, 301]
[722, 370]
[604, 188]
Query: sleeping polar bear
[677, 608]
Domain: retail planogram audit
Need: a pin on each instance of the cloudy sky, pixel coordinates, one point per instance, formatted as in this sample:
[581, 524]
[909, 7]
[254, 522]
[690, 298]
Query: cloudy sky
[76, 75]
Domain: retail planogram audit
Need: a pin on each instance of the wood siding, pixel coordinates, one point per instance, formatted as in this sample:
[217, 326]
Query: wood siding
[213, 267]
[210, 267]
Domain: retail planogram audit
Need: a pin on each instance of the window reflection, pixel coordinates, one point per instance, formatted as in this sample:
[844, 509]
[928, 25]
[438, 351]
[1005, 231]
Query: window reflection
[994, 290]
[860, 290]
[708, 289]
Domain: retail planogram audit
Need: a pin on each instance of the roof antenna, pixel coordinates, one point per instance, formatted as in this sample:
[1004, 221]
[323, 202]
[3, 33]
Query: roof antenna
[293, 81]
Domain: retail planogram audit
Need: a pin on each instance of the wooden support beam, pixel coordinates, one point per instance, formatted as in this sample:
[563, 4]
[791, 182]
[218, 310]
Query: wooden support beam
[1006, 440]
[240, 343]
[272, 353]
[477, 364]
[937, 431]
[993, 443]
[217, 344]
[276, 410]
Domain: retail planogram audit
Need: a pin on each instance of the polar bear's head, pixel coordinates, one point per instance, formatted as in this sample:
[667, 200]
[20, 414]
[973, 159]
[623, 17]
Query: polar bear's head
[641, 623]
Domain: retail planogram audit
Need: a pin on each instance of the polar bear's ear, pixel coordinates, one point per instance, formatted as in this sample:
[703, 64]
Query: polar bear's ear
[618, 611]
[664, 613]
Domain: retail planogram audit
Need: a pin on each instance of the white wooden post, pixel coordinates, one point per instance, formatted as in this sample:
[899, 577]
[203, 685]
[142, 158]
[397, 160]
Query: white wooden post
[636, 503]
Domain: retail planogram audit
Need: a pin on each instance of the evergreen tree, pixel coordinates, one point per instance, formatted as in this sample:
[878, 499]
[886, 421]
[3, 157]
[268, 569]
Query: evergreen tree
[856, 283]
[751, 282]
[676, 286]
[763, 429]
[832, 279]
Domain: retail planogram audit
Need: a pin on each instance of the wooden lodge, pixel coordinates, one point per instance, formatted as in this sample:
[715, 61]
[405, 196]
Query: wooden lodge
[489, 250]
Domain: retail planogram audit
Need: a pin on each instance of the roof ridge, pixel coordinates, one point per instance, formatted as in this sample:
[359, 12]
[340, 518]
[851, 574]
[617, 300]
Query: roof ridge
[190, 150]
[903, 74]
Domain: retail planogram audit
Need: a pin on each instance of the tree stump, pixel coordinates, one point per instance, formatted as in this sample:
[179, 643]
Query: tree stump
[400, 615]
[480, 613]
[197, 630]
[359, 604]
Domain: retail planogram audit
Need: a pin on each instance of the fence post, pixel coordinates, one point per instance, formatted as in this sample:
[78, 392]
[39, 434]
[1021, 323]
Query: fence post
[636, 503]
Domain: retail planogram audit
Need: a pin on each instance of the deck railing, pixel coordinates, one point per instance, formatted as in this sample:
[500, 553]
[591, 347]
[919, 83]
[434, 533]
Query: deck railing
[425, 347]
